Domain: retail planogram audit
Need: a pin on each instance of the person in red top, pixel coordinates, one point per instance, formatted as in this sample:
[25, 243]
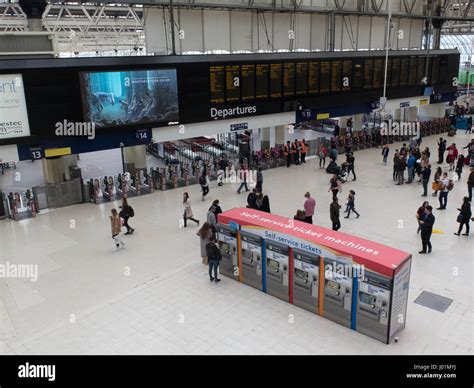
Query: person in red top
[304, 150]
[309, 206]
[452, 156]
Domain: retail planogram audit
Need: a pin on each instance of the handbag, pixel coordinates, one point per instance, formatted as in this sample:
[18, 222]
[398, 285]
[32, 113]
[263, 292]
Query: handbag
[460, 218]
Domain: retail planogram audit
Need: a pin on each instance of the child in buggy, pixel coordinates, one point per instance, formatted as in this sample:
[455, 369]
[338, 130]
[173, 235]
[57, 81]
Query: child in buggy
[339, 171]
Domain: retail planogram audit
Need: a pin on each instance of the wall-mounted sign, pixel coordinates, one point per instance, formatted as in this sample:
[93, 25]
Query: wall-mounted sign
[36, 153]
[13, 111]
[52, 152]
[405, 104]
[239, 127]
[424, 102]
[322, 116]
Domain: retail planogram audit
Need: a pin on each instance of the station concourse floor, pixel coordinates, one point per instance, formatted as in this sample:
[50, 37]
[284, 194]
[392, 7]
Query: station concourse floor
[154, 297]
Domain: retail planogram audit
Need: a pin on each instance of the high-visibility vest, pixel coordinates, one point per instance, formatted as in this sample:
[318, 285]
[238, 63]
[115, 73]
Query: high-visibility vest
[303, 148]
[293, 148]
[285, 150]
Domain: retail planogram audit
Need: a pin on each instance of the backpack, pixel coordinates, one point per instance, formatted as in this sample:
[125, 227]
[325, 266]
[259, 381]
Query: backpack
[131, 213]
[202, 180]
[450, 185]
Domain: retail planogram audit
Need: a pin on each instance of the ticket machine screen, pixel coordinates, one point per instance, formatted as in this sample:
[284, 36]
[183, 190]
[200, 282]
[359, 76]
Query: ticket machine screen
[273, 264]
[366, 298]
[224, 248]
[303, 275]
[333, 285]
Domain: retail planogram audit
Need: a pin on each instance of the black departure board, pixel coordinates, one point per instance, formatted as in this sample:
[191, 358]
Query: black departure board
[443, 69]
[232, 76]
[395, 72]
[313, 77]
[379, 71]
[289, 79]
[420, 73]
[346, 75]
[389, 72]
[261, 81]
[358, 76]
[275, 80]
[412, 72]
[217, 86]
[435, 70]
[368, 73]
[325, 77]
[301, 78]
[336, 69]
[248, 82]
[405, 63]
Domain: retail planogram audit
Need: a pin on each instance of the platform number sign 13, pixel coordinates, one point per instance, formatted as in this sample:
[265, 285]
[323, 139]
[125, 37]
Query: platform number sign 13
[36, 153]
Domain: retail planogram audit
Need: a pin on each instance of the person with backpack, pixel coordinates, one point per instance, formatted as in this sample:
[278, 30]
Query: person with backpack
[214, 256]
[126, 212]
[446, 186]
[116, 226]
[188, 211]
[464, 216]
[204, 183]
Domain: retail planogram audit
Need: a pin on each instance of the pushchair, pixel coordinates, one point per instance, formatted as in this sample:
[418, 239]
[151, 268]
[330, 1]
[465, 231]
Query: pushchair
[339, 171]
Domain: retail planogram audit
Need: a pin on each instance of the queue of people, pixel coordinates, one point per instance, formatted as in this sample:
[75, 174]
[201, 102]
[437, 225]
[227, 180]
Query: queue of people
[295, 152]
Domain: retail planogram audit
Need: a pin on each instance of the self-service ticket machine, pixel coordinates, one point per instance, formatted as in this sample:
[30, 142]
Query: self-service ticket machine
[337, 292]
[228, 249]
[373, 306]
[306, 280]
[251, 256]
[277, 270]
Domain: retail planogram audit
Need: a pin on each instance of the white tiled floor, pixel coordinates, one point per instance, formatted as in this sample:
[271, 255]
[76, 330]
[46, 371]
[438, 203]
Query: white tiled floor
[168, 306]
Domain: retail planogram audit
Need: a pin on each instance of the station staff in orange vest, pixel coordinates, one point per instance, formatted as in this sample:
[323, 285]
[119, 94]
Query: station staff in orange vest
[304, 150]
[287, 154]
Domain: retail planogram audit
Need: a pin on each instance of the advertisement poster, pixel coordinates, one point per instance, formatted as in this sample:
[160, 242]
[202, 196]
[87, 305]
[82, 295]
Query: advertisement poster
[13, 111]
[120, 98]
[401, 284]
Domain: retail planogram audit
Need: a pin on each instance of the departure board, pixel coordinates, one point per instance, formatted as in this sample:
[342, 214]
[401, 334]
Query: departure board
[443, 69]
[395, 72]
[248, 82]
[301, 78]
[358, 76]
[420, 73]
[389, 72]
[368, 73]
[261, 81]
[435, 70]
[405, 63]
[288, 79]
[313, 77]
[379, 71]
[325, 77]
[232, 74]
[412, 72]
[217, 86]
[336, 69]
[275, 80]
[346, 75]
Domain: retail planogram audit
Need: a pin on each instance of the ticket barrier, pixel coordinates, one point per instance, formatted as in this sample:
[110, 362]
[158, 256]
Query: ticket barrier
[337, 294]
[229, 265]
[306, 280]
[373, 306]
[252, 260]
[277, 270]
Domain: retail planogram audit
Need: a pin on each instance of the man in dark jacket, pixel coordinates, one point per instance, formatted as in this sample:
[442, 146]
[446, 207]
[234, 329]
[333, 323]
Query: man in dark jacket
[214, 257]
[425, 178]
[470, 184]
[350, 160]
[252, 199]
[426, 226]
[441, 150]
[334, 214]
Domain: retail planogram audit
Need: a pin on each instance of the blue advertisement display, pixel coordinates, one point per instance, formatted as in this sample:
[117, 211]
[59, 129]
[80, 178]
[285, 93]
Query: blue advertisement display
[121, 98]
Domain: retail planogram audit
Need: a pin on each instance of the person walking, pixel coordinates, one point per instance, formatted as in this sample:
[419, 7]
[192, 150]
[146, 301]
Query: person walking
[385, 152]
[322, 156]
[351, 204]
[425, 178]
[459, 165]
[333, 153]
[252, 199]
[334, 210]
[205, 235]
[464, 216]
[214, 256]
[309, 205]
[469, 125]
[188, 211]
[444, 191]
[126, 212]
[470, 184]
[437, 181]
[350, 160]
[204, 183]
[420, 214]
[335, 186]
[243, 179]
[259, 185]
[265, 204]
[116, 226]
[411, 167]
[426, 225]
[304, 150]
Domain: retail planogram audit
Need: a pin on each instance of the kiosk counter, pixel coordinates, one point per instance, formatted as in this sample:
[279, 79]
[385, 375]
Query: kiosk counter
[358, 283]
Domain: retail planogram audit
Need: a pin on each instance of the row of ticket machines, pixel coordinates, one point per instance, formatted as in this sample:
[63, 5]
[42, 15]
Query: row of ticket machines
[297, 277]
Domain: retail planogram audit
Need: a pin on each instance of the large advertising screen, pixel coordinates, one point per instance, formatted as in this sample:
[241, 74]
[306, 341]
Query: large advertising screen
[120, 98]
[13, 111]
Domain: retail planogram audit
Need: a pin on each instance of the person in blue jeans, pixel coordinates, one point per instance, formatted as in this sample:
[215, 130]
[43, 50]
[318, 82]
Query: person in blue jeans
[411, 167]
[214, 257]
[351, 204]
[243, 179]
[443, 193]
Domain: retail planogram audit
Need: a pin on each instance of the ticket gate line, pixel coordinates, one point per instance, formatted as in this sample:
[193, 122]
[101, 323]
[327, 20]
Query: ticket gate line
[355, 293]
[321, 288]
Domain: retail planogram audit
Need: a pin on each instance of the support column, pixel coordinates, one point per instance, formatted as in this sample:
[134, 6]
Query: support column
[56, 170]
[357, 122]
[281, 134]
[256, 139]
[134, 158]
